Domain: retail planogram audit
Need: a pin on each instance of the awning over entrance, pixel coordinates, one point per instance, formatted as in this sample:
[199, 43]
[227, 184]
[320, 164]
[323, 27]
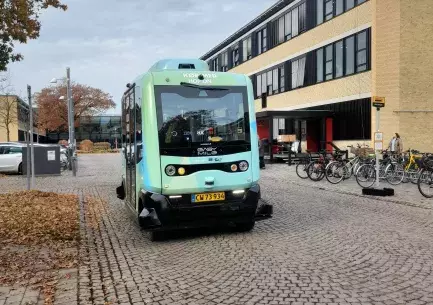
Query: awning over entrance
[318, 127]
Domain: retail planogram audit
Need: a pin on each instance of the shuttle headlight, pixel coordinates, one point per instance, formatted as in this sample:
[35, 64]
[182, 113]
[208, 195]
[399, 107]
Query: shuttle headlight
[170, 170]
[243, 166]
[234, 167]
[181, 171]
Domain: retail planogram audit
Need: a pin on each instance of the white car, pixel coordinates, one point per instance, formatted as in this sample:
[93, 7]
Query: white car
[11, 158]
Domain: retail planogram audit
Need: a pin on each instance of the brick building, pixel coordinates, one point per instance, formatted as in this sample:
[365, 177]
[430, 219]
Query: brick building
[315, 64]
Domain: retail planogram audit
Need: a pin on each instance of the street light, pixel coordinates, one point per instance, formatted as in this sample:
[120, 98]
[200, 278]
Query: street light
[70, 116]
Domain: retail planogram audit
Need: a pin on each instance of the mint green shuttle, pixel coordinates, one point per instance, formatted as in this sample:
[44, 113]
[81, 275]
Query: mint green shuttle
[190, 155]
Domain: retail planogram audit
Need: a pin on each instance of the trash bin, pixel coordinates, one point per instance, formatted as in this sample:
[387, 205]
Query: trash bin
[46, 158]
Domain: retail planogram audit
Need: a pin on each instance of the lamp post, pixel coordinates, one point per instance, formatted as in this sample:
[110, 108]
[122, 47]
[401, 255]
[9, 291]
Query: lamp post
[71, 125]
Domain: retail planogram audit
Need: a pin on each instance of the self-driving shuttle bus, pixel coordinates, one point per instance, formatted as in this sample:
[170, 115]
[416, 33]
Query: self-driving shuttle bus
[190, 148]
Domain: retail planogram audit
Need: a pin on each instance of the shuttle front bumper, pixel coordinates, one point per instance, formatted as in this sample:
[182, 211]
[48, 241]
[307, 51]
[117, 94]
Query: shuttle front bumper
[162, 212]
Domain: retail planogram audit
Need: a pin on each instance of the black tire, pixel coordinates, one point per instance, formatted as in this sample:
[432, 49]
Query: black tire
[245, 226]
[301, 170]
[157, 235]
[320, 171]
[20, 168]
[429, 177]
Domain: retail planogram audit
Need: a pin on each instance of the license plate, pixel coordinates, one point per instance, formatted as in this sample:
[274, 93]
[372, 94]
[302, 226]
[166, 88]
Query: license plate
[204, 197]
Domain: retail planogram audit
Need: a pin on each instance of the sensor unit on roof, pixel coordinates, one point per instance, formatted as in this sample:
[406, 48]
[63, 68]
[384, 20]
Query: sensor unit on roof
[186, 66]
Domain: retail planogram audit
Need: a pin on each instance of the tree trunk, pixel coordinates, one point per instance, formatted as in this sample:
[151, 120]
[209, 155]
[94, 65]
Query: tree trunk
[8, 134]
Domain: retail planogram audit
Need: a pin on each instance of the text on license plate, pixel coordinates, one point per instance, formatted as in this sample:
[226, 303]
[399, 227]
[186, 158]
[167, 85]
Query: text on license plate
[208, 197]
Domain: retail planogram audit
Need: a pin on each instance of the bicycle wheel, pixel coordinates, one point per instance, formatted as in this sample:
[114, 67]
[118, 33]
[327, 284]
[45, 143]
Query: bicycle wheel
[335, 172]
[394, 173]
[366, 175]
[301, 170]
[425, 183]
[316, 171]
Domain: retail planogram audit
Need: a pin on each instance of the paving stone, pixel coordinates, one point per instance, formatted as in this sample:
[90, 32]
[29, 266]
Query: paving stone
[326, 244]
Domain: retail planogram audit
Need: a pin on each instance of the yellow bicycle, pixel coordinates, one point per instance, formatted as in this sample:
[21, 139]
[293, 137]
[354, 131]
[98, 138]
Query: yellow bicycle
[412, 168]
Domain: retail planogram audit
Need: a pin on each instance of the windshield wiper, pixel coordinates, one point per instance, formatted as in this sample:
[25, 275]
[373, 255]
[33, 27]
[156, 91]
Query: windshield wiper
[202, 87]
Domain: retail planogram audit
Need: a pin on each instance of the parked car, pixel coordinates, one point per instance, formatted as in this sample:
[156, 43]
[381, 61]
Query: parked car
[11, 157]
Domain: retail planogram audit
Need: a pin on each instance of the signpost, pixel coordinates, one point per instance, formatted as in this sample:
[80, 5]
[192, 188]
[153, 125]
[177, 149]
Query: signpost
[378, 102]
[30, 180]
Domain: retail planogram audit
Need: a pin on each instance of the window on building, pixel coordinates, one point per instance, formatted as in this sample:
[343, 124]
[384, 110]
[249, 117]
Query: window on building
[350, 4]
[282, 79]
[319, 64]
[302, 17]
[328, 62]
[339, 7]
[258, 84]
[281, 29]
[224, 61]
[262, 41]
[361, 1]
[319, 15]
[246, 49]
[295, 22]
[235, 55]
[298, 72]
[275, 80]
[350, 55]
[361, 52]
[329, 9]
[269, 84]
[288, 25]
[215, 64]
[339, 58]
[264, 84]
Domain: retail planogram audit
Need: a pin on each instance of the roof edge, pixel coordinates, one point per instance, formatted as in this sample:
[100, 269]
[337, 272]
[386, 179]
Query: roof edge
[256, 21]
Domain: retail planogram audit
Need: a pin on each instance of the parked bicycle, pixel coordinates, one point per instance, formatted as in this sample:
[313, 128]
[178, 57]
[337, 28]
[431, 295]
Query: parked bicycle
[342, 169]
[425, 179]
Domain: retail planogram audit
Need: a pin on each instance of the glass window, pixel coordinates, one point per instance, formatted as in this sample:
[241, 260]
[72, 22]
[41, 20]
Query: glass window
[319, 16]
[361, 54]
[188, 117]
[259, 42]
[329, 9]
[350, 4]
[298, 72]
[264, 83]
[235, 56]
[319, 63]
[288, 26]
[361, 1]
[264, 40]
[246, 49]
[259, 85]
[339, 7]
[329, 62]
[282, 79]
[295, 22]
[350, 55]
[302, 17]
[275, 81]
[281, 29]
[225, 64]
[269, 77]
[339, 58]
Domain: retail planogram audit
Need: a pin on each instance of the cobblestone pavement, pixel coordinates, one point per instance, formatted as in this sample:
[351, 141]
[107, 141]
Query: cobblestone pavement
[323, 246]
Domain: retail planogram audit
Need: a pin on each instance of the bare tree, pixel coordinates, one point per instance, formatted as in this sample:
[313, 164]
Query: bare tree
[8, 105]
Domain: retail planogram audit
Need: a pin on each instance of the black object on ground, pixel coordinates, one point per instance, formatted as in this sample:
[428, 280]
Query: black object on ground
[378, 192]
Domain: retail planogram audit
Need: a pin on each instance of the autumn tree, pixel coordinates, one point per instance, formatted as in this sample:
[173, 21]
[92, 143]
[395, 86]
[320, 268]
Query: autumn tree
[53, 110]
[19, 21]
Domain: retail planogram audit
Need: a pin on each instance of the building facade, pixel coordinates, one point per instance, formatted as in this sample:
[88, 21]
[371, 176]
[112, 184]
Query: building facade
[14, 120]
[101, 128]
[316, 64]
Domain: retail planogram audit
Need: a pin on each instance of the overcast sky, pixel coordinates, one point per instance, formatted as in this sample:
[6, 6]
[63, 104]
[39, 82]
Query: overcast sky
[106, 43]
